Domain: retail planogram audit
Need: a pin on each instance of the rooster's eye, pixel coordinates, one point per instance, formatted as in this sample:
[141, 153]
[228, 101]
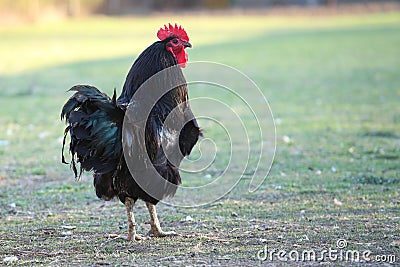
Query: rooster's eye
[175, 41]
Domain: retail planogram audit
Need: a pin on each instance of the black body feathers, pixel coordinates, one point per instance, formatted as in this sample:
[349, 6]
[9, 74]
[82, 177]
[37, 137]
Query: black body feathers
[94, 122]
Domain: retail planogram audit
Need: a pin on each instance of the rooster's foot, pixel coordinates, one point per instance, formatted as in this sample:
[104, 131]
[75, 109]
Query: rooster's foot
[135, 237]
[160, 233]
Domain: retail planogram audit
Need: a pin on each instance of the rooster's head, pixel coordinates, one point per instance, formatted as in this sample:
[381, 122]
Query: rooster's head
[176, 40]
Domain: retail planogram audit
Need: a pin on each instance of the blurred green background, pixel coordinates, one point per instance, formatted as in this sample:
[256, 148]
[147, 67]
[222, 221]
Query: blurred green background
[317, 71]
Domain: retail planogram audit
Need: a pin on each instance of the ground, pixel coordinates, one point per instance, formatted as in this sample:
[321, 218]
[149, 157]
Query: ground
[332, 83]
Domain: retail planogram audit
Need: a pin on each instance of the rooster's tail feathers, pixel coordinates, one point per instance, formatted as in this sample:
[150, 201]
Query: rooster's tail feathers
[94, 124]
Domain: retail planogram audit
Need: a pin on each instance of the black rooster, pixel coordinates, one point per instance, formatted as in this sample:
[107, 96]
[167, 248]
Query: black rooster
[95, 124]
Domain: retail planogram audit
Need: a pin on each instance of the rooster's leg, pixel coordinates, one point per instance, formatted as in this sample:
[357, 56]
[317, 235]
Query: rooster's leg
[132, 236]
[155, 229]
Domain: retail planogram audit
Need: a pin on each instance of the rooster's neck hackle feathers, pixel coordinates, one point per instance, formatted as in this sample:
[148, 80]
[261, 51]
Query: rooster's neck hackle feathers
[152, 60]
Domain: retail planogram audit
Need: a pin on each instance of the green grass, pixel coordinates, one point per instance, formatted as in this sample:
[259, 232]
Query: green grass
[333, 83]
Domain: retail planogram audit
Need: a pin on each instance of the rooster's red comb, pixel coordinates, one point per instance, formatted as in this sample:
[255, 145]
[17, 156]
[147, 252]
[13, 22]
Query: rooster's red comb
[170, 30]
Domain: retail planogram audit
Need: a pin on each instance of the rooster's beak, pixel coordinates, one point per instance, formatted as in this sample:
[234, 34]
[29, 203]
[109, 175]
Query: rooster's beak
[187, 44]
